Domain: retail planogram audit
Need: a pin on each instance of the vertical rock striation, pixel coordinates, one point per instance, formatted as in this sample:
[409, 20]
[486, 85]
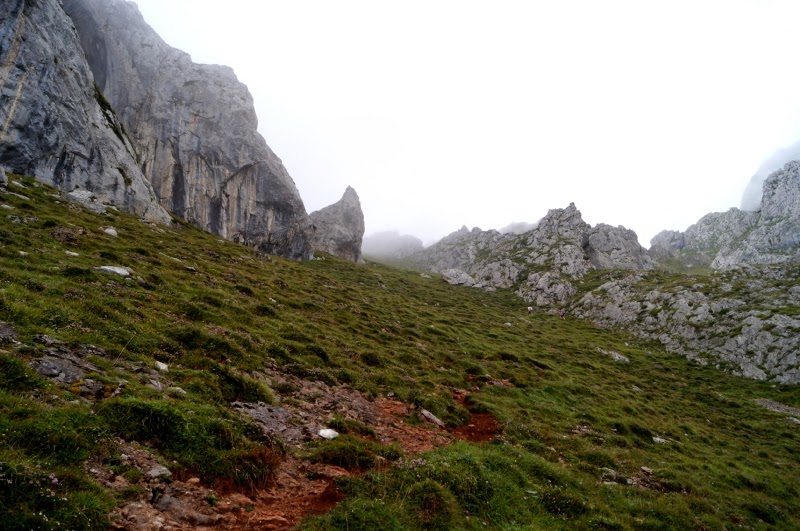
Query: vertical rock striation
[194, 130]
[55, 125]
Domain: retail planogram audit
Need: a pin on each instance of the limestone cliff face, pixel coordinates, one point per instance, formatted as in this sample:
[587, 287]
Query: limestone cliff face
[542, 264]
[769, 235]
[193, 129]
[54, 124]
[340, 227]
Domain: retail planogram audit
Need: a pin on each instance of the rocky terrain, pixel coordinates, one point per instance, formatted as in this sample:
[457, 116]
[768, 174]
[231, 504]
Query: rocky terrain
[543, 265]
[339, 228]
[743, 319]
[55, 123]
[768, 235]
[193, 129]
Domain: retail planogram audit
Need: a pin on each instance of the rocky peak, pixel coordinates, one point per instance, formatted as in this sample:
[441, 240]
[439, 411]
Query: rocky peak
[340, 227]
[768, 235]
[56, 124]
[194, 131]
[541, 264]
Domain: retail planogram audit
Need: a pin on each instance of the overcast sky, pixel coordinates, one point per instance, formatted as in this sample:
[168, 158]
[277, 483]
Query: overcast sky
[448, 113]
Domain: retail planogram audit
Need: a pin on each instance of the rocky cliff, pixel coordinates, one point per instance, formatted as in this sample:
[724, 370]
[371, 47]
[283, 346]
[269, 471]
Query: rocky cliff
[193, 130]
[769, 235]
[542, 264]
[339, 228]
[55, 124]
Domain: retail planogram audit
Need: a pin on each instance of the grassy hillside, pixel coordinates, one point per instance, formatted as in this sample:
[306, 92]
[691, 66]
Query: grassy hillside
[588, 441]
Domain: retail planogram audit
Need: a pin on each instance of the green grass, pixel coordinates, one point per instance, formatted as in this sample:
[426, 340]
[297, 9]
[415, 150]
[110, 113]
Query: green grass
[578, 426]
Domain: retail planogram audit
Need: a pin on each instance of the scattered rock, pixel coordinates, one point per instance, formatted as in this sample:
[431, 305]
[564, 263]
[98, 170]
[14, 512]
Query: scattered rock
[161, 366]
[430, 417]
[111, 231]
[70, 253]
[457, 277]
[158, 471]
[122, 271]
[327, 433]
[7, 332]
[777, 406]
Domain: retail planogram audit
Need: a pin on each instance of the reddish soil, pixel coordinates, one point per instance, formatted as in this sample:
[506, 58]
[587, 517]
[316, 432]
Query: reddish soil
[300, 488]
[482, 427]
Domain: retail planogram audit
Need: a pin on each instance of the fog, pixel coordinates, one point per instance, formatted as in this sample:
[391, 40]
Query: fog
[450, 113]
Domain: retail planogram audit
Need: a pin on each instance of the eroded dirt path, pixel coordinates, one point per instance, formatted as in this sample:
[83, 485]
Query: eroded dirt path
[300, 488]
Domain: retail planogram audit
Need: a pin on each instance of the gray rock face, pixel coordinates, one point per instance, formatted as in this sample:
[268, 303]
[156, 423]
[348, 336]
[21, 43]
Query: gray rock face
[54, 124]
[743, 319]
[340, 227]
[666, 244]
[542, 264]
[615, 248]
[751, 198]
[193, 129]
[769, 235]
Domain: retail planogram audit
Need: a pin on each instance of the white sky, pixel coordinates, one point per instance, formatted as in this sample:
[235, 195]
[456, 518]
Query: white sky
[448, 113]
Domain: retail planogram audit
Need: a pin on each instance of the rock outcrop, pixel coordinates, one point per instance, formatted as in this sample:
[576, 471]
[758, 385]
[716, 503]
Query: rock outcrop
[769, 235]
[193, 130]
[542, 264]
[339, 228]
[55, 124]
[743, 319]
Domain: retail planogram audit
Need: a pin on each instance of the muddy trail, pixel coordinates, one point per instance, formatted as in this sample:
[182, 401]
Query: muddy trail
[300, 488]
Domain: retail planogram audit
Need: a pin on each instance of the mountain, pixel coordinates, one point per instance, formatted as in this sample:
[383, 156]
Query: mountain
[767, 235]
[751, 198]
[542, 264]
[741, 318]
[95, 103]
[193, 128]
[158, 376]
[56, 123]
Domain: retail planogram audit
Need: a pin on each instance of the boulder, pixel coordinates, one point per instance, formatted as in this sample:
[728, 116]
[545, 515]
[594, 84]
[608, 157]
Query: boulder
[194, 130]
[56, 124]
[339, 228]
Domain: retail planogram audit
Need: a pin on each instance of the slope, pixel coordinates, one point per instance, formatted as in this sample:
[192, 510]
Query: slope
[105, 372]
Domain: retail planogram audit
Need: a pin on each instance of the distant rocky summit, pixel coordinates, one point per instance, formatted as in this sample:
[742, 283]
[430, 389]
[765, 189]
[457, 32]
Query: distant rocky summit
[542, 264]
[769, 235]
[193, 131]
[55, 123]
[339, 228]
